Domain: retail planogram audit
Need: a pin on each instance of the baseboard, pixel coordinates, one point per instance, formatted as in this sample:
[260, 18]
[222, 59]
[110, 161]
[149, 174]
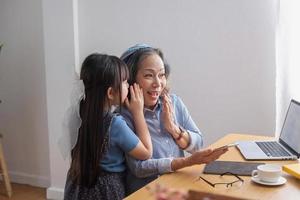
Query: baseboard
[54, 193]
[30, 179]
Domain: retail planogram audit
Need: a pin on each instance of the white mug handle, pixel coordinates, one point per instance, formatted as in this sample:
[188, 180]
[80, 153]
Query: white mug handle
[254, 173]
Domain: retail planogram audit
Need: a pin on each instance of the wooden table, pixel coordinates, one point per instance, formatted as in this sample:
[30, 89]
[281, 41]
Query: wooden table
[187, 178]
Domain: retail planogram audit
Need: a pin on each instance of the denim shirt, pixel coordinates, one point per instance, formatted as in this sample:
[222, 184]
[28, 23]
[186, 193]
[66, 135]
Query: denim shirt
[164, 146]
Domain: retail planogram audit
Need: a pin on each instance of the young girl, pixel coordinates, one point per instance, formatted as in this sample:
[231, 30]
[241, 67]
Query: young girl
[97, 167]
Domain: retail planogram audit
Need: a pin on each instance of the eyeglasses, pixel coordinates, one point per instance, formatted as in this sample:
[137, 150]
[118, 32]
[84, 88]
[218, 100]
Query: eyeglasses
[239, 180]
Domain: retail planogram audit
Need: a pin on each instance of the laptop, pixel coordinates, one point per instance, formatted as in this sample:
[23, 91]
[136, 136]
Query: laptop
[286, 148]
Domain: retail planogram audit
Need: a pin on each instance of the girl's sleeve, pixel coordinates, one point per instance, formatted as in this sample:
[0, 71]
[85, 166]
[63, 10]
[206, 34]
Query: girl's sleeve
[127, 140]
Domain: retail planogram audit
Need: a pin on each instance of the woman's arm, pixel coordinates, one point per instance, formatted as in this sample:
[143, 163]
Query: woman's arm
[151, 167]
[180, 124]
[180, 136]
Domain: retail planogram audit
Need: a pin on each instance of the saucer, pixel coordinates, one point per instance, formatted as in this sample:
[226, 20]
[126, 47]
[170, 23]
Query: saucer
[280, 181]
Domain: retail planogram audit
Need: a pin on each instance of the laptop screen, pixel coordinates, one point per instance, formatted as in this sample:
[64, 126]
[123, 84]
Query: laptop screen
[290, 132]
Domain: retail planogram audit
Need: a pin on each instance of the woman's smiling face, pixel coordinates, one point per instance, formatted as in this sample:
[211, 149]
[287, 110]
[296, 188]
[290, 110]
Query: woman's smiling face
[152, 79]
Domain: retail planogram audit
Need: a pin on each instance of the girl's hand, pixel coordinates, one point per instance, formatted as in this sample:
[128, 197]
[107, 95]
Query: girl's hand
[168, 115]
[136, 103]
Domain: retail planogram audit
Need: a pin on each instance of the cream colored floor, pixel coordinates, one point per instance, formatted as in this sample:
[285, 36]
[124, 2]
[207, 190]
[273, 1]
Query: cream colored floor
[23, 192]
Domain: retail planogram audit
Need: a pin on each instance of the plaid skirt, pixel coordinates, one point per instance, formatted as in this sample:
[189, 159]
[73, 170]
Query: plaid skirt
[110, 185]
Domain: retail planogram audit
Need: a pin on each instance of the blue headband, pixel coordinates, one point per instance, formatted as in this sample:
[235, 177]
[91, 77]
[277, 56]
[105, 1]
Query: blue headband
[133, 49]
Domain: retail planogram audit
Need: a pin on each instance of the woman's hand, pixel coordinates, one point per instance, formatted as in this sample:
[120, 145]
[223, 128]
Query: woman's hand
[181, 137]
[197, 158]
[136, 103]
[206, 156]
[168, 115]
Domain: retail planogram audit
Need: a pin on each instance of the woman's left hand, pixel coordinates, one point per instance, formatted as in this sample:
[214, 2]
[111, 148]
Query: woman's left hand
[168, 115]
[181, 137]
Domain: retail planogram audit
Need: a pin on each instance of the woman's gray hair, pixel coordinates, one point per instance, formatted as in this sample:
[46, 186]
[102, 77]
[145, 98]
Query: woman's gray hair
[135, 54]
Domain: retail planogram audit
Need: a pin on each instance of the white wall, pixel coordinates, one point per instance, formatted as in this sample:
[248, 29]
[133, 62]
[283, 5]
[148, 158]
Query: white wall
[222, 54]
[23, 111]
[60, 66]
[288, 61]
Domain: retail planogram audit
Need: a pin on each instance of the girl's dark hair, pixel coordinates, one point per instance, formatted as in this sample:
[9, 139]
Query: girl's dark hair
[133, 60]
[98, 73]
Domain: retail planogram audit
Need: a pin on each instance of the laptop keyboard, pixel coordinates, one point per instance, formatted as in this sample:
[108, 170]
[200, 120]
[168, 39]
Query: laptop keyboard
[272, 149]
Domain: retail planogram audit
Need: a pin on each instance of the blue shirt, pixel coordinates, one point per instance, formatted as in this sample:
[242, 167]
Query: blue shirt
[164, 146]
[121, 139]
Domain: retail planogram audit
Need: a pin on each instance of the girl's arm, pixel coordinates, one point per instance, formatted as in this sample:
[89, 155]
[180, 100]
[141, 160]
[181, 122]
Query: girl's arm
[143, 150]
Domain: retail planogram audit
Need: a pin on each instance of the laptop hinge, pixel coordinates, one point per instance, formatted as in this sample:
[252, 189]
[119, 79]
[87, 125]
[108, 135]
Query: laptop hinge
[289, 148]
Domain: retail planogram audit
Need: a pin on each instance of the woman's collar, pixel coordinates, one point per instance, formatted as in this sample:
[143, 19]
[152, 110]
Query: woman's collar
[157, 105]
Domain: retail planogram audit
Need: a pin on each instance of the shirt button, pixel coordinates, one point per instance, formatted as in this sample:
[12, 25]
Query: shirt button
[158, 130]
[167, 141]
[154, 116]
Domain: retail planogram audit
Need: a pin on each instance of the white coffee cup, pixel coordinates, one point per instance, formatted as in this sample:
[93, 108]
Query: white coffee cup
[267, 173]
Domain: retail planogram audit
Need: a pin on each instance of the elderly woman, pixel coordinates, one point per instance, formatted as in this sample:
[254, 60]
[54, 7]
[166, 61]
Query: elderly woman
[171, 127]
